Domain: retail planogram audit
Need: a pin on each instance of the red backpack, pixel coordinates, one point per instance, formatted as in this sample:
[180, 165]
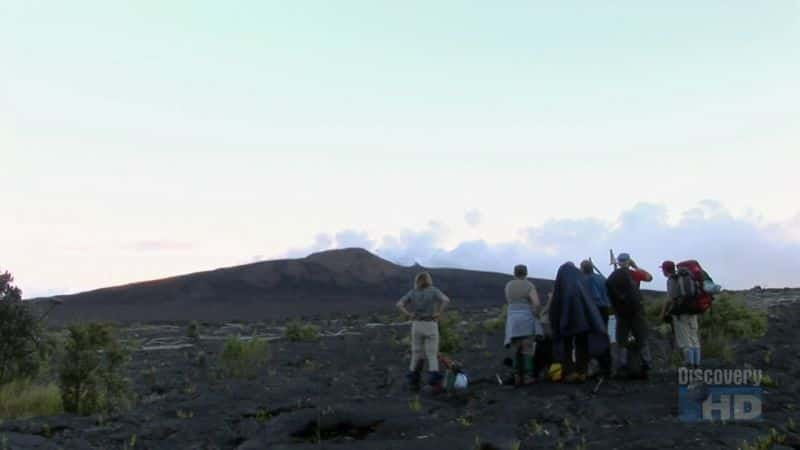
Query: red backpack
[691, 281]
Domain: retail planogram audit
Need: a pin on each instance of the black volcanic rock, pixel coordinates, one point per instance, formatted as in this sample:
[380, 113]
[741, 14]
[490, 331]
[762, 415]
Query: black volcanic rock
[336, 281]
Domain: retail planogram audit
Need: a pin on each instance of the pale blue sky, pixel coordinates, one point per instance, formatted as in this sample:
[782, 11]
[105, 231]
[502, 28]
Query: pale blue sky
[142, 139]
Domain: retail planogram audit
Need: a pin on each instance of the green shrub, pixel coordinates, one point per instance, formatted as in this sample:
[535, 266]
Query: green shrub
[652, 309]
[90, 373]
[729, 319]
[732, 317]
[450, 338]
[496, 323]
[299, 332]
[22, 399]
[193, 330]
[243, 359]
[718, 346]
[23, 348]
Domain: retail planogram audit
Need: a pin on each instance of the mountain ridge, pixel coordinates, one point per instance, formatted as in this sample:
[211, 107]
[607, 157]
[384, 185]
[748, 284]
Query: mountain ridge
[351, 280]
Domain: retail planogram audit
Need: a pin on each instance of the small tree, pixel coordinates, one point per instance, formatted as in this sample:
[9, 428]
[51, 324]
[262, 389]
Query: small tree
[21, 345]
[91, 371]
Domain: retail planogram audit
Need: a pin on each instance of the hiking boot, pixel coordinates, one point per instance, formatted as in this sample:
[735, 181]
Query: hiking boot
[413, 379]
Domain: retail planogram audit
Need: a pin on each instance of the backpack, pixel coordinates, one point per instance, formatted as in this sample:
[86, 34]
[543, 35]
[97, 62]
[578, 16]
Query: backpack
[625, 297]
[695, 288]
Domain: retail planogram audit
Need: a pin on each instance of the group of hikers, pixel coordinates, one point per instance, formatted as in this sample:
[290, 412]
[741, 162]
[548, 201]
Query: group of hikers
[572, 327]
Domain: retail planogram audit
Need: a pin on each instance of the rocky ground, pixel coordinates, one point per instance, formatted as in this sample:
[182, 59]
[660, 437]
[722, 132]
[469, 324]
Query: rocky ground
[347, 391]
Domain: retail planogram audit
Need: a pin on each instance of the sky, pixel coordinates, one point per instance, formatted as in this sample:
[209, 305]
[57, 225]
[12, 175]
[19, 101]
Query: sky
[146, 139]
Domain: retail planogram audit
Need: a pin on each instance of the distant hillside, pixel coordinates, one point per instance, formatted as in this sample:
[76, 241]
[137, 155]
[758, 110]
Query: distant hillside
[345, 281]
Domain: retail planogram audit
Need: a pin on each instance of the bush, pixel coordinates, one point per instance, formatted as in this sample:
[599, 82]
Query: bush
[22, 347]
[193, 330]
[22, 399]
[732, 317]
[244, 358]
[450, 338]
[652, 309]
[497, 323]
[90, 373]
[298, 332]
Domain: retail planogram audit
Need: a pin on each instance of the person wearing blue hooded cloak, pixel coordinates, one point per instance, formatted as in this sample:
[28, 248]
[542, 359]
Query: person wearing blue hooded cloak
[579, 332]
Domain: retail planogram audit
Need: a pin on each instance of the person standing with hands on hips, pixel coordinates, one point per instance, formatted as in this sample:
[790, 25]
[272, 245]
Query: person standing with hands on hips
[424, 305]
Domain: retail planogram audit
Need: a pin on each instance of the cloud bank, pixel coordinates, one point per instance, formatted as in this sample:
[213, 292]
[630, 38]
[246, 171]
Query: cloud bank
[739, 252]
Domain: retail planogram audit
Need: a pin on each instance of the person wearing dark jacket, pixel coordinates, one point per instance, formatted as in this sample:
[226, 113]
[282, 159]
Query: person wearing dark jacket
[623, 288]
[576, 323]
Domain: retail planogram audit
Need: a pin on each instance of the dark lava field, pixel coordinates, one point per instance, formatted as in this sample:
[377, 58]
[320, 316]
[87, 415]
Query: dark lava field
[347, 391]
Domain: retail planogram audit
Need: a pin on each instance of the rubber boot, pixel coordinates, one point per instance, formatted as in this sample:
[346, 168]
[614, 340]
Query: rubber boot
[529, 377]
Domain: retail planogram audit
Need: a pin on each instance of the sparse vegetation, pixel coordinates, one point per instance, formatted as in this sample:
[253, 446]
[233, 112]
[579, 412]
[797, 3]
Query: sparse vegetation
[498, 323]
[22, 399]
[193, 330]
[767, 381]
[730, 319]
[300, 332]
[415, 405]
[731, 316]
[450, 338]
[768, 357]
[535, 428]
[718, 346]
[90, 374]
[772, 439]
[243, 359]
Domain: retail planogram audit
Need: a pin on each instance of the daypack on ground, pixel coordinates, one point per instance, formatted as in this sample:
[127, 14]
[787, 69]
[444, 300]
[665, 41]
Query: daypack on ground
[695, 288]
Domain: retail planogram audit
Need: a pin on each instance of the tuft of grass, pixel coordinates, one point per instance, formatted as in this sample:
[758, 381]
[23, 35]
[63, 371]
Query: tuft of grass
[299, 332]
[772, 439]
[767, 381]
[243, 359]
[22, 399]
[193, 330]
[415, 405]
[130, 444]
[535, 428]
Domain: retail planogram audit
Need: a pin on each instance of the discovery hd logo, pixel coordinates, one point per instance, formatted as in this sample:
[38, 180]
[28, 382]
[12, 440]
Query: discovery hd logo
[710, 395]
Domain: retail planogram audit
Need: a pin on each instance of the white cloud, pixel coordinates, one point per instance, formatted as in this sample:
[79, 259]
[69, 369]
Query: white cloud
[738, 251]
[473, 217]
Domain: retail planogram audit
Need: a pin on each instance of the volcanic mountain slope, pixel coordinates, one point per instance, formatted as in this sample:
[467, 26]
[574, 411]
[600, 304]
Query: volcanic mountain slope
[350, 281]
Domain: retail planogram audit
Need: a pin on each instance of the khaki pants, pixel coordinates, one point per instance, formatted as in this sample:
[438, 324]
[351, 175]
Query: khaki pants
[686, 334]
[425, 344]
